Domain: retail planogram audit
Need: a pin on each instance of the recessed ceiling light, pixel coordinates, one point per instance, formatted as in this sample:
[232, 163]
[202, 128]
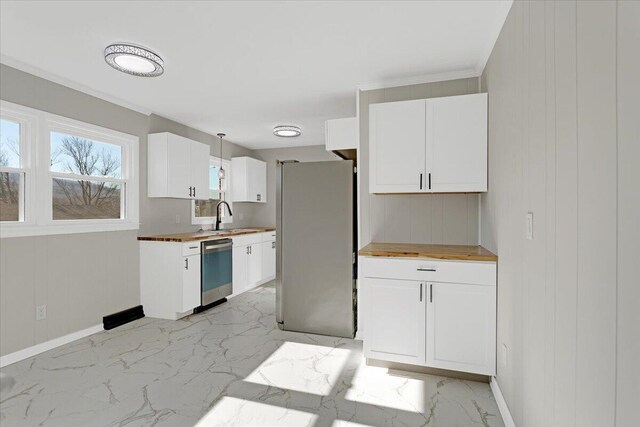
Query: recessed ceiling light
[133, 59]
[286, 131]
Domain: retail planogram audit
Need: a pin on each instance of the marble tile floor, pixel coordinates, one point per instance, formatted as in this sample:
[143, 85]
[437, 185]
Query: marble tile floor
[230, 366]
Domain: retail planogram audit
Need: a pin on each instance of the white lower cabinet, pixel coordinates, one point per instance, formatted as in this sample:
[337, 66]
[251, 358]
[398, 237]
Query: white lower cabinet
[461, 327]
[399, 335]
[254, 261]
[441, 324]
[191, 282]
[269, 260]
[240, 256]
[169, 278]
[254, 265]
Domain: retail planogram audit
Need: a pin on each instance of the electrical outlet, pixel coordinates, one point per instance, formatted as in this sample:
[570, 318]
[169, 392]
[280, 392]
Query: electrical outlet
[240, 216]
[505, 354]
[41, 312]
[529, 225]
[177, 219]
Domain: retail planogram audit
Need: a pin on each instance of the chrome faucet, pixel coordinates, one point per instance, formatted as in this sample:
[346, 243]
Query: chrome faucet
[218, 213]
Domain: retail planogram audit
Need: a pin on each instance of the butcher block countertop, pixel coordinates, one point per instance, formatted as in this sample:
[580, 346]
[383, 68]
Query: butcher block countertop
[204, 235]
[415, 250]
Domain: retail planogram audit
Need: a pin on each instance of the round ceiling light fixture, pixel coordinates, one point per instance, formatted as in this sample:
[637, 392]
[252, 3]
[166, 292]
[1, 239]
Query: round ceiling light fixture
[287, 131]
[133, 59]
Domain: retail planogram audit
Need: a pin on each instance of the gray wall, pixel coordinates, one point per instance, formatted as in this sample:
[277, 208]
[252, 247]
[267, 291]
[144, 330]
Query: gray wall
[424, 218]
[264, 215]
[563, 143]
[82, 277]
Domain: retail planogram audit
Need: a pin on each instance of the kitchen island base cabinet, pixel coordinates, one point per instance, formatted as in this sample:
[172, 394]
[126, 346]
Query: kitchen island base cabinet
[399, 335]
[439, 323]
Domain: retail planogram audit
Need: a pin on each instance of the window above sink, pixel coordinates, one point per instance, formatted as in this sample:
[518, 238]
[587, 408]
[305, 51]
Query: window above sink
[203, 211]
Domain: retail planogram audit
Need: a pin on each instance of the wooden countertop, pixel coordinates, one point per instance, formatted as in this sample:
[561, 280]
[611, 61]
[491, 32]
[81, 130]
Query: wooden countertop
[411, 250]
[192, 237]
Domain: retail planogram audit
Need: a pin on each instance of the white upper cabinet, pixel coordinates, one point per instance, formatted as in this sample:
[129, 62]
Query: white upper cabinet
[177, 167]
[457, 143]
[200, 170]
[341, 134]
[436, 145]
[397, 147]
[249, 181]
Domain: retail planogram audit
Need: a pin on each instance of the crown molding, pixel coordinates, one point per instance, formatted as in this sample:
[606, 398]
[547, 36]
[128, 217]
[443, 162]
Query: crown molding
[429, 78]
[38, 72]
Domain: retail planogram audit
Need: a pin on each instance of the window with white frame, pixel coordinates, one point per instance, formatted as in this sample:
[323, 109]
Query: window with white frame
[13, 167]
[85, 178]
[204, 211]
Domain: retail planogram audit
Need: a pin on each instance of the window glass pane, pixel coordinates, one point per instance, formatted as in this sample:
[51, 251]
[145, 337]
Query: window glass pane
[82, 156]
[206, 208]
[10, 195]
[9, 143]
[214, 182]
[75, 199]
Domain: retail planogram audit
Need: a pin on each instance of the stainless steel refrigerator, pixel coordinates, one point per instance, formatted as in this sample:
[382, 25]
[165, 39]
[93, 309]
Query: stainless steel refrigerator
[315, 256]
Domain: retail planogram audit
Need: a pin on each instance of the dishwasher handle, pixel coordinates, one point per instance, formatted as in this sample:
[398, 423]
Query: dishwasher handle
[215, 246]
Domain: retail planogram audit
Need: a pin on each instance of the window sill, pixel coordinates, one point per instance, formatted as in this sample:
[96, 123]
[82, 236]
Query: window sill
[71, 227]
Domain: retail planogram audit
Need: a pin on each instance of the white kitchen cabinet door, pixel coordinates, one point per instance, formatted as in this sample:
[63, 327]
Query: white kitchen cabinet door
[191, 287]
[395, 320]
[397, 147]
[341, 134]
[257, 179]
[461, 327]
[179, 167]
[249, 183]
[268, 261]
[456, 157]
[254, 265]
[200, 170]
[240, 256]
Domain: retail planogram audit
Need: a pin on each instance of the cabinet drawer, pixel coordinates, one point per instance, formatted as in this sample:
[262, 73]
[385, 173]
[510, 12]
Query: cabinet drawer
[427, 270]
[247, 239]
[191, 248]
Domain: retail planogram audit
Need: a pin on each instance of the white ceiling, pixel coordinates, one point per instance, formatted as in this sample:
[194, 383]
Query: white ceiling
[243, 67]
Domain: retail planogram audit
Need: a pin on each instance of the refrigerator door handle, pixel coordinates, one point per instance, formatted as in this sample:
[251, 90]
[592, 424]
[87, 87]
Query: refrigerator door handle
[420, 292]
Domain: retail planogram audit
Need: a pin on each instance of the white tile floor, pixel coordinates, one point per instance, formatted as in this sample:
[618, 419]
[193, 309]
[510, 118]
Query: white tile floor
[230, 366]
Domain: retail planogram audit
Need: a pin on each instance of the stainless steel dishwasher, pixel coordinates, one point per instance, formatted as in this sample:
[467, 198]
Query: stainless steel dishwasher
[216, 272]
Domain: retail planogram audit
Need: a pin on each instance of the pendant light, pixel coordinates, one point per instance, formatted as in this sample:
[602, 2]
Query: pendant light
[221, 171]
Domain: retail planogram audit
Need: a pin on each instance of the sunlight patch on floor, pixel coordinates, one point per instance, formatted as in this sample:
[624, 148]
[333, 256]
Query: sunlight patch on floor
[301, 367]
[230, 411]
[375, 386]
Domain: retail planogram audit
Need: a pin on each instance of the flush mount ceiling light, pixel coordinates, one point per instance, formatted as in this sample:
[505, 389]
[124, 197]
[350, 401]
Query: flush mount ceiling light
[287, 131]
[133, 59]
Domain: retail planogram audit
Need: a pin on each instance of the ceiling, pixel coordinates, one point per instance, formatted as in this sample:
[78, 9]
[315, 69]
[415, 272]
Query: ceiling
[244, 67]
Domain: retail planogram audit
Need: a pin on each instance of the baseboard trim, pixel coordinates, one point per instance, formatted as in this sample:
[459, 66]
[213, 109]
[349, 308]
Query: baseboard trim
[397, 366]
[47, 345]
[502, 404]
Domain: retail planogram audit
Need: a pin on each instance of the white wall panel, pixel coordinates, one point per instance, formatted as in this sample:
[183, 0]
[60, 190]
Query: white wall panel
[563, 112]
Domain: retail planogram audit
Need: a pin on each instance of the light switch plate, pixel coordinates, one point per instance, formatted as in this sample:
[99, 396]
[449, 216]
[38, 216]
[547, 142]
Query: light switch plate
[177, 219]
[529, 225]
